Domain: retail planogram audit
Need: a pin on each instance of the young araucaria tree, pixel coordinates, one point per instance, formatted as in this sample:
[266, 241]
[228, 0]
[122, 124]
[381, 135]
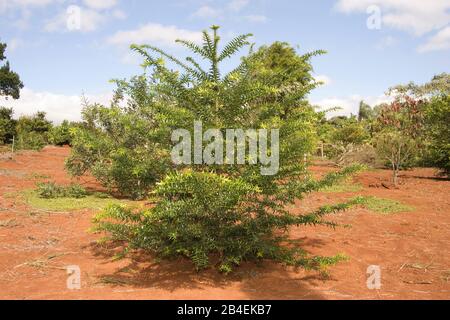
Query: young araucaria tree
[223, 214]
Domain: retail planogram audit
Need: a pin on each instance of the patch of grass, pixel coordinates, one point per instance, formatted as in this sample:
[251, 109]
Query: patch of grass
[38, 176]
[115, 281]
[346, 185]
[343, 187]
[43, 262]
[95, 201]
[385, 206]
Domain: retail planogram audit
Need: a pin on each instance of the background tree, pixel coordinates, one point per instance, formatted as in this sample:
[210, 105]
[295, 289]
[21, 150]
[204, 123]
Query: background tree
[399, 138]
[61, 135]
[437, 128]
[33, 131]
[439, 85]
[279, 66]
[10, 83]
[343, 136]
[435, 139]
[365, 112]
[7, 125]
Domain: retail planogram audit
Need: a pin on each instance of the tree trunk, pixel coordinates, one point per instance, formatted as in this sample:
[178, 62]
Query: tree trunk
[395, 176]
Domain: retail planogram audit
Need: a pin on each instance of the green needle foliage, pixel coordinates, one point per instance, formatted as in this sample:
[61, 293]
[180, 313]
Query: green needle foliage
[214, 215]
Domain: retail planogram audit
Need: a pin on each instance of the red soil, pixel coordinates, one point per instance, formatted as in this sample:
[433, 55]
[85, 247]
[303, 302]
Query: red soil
[412, 248]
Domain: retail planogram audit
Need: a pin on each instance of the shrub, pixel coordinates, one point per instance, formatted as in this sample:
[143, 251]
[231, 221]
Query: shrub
[437, 119]
[60, 135]
[343, 136]
[350, 131]
[50, 190]
[123, 149]
[75, 191]
[223, 213]
[204, 217]
[7, 125]
[31, 141]
[363, 154]
[32, 131]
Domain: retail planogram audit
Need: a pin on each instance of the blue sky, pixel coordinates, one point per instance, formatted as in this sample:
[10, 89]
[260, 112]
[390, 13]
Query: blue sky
[371, 44]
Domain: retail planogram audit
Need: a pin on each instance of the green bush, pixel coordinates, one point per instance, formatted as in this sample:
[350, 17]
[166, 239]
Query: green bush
[60, 135]
[123, 150]
[31, 141]
[51, 190]
[437, 120]
[7, 125]
[212, 219]
[220, 213]
[32, 131]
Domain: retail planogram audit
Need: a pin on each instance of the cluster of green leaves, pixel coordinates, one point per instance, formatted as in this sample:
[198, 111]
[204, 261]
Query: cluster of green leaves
[437, 128]
[32, 131]
[125, 148]
[211, 218]
[60, 135]
[222, 213]
[51, 190]
[10, 83]
[341, 132]
[417, 122]
[7, 125]
[10, 86]
[410, 131]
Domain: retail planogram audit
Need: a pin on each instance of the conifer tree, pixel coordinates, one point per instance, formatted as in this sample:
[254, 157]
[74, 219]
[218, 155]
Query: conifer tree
[227, 213]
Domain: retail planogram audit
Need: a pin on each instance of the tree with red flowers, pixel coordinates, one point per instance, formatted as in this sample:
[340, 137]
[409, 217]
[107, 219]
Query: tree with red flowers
[400, 127]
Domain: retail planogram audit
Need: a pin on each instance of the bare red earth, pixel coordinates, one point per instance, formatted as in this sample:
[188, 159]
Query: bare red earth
[412, 248]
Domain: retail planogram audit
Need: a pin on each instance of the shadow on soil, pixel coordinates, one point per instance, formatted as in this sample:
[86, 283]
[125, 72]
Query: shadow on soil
[268, 280]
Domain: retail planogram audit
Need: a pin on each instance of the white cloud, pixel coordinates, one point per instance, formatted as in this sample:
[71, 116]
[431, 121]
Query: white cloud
[6, 5]
[100, 4]
[232, 9]
[207, 12]
[386, 42]
[57, 106]
[238, 5]
[89, 20]
[119, 14]
[14, 44]
[415, 16]
[153, 33]
[349, 105]
[20, 11]
[440, 41]
[256, 18]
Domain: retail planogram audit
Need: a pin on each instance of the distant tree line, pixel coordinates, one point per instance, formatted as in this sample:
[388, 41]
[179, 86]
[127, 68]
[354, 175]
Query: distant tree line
[412, 130]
